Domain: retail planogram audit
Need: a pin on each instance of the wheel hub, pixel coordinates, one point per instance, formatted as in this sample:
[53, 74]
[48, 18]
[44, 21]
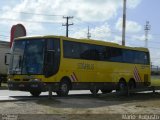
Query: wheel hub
[64, 88]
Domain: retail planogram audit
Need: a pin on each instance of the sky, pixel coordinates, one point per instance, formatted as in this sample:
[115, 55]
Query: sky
[104, 18]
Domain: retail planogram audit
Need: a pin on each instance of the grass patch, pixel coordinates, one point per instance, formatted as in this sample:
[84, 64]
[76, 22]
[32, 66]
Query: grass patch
[4, 86]
[155, 81]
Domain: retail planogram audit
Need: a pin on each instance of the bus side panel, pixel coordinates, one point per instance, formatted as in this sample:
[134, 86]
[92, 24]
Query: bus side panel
[143, 71]
[104, 71]
[79, 70]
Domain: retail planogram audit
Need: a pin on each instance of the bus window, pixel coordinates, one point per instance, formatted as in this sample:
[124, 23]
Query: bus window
[146, 58]
[85, 51]
[128, 56]
[141, 57]
[71, 49]
[103, 53]
[116, 54]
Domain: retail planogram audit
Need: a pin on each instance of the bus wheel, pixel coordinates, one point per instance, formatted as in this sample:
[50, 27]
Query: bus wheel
[35, 93]
[131, 85]
[63, 89]
[104, 91]
[94, 91]
[122, 88]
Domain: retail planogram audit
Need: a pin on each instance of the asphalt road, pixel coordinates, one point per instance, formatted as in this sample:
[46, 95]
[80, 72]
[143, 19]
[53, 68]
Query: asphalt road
[7, 95]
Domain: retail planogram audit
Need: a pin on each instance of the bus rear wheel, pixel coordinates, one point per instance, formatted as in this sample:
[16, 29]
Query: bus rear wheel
[131, 85]
[63, 89]
[94, 91]
[122, 88]
[105, 91]
[35, 93]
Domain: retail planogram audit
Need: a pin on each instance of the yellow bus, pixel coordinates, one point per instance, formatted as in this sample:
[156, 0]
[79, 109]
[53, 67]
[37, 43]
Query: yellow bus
[76, 64]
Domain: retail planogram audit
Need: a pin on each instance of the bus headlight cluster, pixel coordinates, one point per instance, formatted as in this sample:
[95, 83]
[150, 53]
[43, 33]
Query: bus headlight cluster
[35, 80]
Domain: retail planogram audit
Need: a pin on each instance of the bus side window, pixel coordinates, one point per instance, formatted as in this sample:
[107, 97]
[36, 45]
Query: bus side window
[103, 53]
[93, 53]
[141, 57]
[128, 56]
[85, 51]
[71, 49]
[147, 58]
[116, 55]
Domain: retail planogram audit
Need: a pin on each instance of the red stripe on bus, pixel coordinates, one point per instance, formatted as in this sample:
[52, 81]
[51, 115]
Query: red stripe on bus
[75, 76]
[135, 77]
[71, 78]
[138, 74]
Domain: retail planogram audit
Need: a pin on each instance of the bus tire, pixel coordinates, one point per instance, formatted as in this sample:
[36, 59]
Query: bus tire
[94, 91]
[131, 84]
[105, 91]
[35, 93]
[122, 89]
[63, 88]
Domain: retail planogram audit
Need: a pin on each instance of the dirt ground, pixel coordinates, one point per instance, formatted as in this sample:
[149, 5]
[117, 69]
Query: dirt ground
[84, 107]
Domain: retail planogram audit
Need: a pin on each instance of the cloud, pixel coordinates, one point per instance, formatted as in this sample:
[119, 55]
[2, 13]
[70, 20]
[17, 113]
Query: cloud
[87, 10]
[141, 37]
[133, 3]
[97, 10]
[102, 32]
[83, 10]
[154, 55]
[117, 39]
[131, 26]
[30, 27]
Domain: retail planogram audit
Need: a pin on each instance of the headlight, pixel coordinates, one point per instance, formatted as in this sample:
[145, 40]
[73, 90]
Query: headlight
[35, 80]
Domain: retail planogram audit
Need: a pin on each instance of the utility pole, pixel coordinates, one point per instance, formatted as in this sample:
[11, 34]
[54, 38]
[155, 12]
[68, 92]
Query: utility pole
[124, 22]
[88, 34]
[67, 23]
[147, 28]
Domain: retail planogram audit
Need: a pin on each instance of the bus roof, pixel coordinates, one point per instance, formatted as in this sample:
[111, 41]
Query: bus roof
[92, 41]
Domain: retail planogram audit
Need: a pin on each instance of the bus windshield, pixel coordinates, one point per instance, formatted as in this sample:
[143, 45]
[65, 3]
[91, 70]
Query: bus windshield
[27, 57]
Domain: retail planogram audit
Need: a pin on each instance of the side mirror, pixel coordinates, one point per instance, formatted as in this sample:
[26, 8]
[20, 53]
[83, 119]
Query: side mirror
[6, 59]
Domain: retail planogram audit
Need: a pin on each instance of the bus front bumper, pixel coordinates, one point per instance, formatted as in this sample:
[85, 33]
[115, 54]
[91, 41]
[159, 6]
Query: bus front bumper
[27, 86]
